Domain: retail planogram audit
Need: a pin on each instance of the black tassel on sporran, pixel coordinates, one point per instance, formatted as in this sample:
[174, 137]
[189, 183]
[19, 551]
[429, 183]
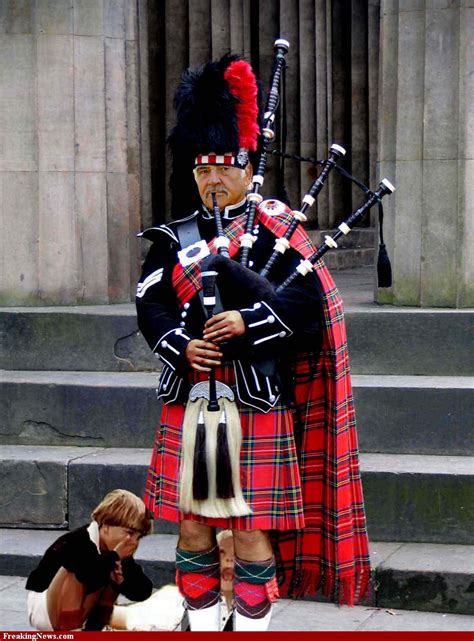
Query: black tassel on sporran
[200, 475]
[224, 485]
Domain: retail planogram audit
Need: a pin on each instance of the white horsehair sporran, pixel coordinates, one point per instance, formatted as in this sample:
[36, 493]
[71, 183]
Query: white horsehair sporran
[218, 426]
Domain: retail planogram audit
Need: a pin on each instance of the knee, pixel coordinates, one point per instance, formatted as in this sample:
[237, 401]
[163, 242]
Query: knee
[195, 536]
[252, 545]
[250, 538]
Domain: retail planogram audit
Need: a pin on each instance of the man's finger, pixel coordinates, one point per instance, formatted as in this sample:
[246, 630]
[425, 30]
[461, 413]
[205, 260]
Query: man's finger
[202, 353]
[200, 368]
[207, 362]
[210, 331]
[207, 353]
[206, 359]
[207, 345]
[223, 338]
[218, 318]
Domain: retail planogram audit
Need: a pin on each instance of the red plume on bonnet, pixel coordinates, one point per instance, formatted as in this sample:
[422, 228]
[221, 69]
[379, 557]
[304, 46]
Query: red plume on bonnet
[243, 86]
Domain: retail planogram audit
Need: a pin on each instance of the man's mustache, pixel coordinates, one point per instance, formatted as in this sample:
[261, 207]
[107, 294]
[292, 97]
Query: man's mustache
[216, 191]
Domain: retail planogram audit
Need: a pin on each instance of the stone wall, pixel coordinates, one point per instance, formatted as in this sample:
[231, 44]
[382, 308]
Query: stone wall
[331, 84]
[86, 90]
[71, 152]
[427, 145]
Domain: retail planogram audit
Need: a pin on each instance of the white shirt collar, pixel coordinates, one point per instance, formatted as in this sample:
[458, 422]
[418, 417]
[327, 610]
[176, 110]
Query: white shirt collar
[93, 531]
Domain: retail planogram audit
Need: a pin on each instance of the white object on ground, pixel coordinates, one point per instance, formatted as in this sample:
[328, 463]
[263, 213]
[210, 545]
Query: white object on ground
[162, 611]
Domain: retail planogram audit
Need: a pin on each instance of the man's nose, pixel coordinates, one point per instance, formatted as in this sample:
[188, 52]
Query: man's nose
[214, 176]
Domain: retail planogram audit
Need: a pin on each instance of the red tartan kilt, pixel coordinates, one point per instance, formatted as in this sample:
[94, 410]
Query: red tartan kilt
[270, 476]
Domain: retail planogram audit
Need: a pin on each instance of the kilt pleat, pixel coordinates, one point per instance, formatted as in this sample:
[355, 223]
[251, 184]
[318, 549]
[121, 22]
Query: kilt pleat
[269, 469]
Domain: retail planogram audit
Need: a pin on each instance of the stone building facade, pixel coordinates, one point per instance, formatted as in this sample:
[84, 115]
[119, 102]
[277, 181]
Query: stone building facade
[86, 91]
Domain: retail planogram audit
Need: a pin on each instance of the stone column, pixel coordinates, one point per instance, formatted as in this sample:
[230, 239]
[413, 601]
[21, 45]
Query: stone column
[70, 158]
[426, 147]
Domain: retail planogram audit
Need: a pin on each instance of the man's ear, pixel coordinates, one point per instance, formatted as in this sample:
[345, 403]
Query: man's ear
[249, 173]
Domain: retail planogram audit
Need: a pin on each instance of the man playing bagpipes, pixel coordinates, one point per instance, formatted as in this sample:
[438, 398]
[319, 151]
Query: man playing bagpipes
[257, 432]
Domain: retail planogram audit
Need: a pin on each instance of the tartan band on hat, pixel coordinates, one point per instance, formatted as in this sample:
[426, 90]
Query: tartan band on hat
[239, 160]
[215, 159]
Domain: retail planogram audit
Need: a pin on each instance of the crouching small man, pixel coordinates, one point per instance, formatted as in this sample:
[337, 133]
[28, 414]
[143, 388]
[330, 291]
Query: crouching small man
[80, 576]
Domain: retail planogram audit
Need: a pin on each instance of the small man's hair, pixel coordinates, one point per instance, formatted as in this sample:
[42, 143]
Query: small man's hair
[124, 509]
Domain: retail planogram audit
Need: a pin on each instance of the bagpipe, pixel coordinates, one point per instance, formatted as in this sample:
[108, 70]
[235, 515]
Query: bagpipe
[240, 275]
[254, 197]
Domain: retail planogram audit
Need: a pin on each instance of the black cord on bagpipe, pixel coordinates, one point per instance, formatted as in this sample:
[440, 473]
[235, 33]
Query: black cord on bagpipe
[330, 242]
[315, 162]
[384, 269]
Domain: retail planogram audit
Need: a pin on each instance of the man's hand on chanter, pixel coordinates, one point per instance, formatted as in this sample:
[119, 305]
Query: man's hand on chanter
[224, 326]
[203, 355]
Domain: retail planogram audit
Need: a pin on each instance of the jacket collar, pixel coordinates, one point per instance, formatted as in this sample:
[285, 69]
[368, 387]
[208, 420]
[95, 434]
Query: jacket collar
[229, 213]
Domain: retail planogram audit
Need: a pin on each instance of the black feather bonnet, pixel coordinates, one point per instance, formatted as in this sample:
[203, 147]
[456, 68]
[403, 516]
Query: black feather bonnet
[207, 120]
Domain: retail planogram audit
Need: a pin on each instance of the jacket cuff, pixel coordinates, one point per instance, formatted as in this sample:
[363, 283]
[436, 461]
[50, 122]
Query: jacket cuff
[264, 325]
[171, 347]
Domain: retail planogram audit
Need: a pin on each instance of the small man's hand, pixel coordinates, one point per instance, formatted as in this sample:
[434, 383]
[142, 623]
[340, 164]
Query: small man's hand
[203, 355]
[117, 574]
[224, 326]
[127, 546]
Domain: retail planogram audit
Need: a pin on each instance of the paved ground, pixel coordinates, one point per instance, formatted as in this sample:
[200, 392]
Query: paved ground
[289, 615]
[356, 285]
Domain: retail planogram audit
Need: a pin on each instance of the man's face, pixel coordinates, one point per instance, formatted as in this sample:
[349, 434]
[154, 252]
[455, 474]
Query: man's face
[228, 183]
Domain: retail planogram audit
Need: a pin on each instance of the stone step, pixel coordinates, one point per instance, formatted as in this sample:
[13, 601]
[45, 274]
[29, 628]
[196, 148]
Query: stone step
[415, 576]
[288, 615]
[339, 259]
[415, 414]
[419, 498]
[105, 409]
[419, 414]
[95, 338]
[356, 250]
[410, 341]
[382, 339]
[408, 498]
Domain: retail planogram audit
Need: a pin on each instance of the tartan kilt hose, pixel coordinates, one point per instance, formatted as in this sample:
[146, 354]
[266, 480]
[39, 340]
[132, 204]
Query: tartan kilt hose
[269, 471]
